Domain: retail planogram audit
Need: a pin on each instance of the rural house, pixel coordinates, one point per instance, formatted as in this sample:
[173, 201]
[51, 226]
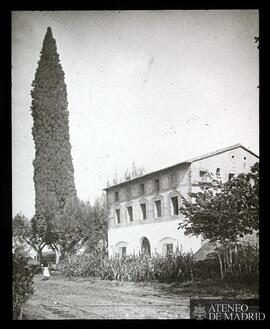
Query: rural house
[144, 211]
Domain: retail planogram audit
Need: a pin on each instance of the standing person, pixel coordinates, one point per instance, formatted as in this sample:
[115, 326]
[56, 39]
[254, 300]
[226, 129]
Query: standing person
[46, 273]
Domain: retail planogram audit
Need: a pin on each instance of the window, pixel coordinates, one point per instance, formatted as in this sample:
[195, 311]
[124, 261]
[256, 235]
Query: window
[202, 173]
[141, 189]
[117, 213]
[175, 209]
[231, 175]
[218, 172]
[169, 248]
[128, 191]
[123, 251]
[173, 180]
[116, 196]
[232, 155]
[158, 208]
[244, 161]
[156, 185]
[130, 213]
[143, 209]
[203, 176]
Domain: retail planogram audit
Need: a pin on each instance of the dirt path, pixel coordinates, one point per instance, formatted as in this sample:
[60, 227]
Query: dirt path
[98, 299]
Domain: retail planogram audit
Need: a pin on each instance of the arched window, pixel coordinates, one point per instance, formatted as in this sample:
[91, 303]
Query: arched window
[145, 246]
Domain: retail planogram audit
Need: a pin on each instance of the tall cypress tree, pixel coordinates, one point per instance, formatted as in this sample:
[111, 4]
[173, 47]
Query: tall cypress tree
[53, 167]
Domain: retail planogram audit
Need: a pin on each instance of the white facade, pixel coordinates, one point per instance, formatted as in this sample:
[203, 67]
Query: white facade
[158, 235]
[144, 212]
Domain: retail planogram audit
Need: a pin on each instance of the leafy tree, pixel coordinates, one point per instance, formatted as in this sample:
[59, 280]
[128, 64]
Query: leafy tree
[224, 213]
[70, 228]
[53, 168]
[24, 232]
[80, 225]
[97, 234]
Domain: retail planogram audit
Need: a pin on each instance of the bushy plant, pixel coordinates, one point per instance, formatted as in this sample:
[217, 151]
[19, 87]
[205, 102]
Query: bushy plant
[207, 268]
[245, 266]
[175, 267]
[22, 283]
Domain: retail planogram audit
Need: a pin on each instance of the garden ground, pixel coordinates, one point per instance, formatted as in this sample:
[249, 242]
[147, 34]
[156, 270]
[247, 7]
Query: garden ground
[60, 298]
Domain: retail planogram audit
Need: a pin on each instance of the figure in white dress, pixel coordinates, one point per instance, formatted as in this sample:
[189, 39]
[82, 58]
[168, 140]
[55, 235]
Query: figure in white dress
[46, 273]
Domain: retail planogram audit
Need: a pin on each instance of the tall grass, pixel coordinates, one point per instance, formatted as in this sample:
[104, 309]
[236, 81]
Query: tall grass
[176, 267]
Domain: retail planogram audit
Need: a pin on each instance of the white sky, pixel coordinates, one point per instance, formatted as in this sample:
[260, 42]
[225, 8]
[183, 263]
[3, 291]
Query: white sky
[154, 87]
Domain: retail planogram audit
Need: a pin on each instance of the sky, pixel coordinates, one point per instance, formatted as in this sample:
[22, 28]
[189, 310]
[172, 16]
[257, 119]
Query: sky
[153, 87]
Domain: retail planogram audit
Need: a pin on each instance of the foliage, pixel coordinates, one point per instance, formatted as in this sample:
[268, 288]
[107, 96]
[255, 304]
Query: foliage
[130, 268]
[22, 283]
[96, 228]
[175, 267]
[44, 221]
[24, 231]
[21, 228]
[53, 168]
[224, 213]
[81, 225]
[207, 268]
[69, 226]
[245, 264]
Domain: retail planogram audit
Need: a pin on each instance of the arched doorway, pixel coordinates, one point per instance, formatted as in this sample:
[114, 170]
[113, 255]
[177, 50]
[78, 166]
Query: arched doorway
[146, 249]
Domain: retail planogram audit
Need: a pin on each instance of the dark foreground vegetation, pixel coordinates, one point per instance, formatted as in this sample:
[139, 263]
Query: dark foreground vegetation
[176, 267]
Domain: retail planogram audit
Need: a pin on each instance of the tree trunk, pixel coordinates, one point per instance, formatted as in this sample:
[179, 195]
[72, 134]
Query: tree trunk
[59, 253]
[223, 257]
[40, 257]
[57, 256]
[220, 265]
[231, 258]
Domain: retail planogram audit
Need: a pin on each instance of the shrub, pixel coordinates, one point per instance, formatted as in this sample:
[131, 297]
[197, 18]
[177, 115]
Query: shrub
[245, 266]
[206, 269]
[22, 283]
[175, 267]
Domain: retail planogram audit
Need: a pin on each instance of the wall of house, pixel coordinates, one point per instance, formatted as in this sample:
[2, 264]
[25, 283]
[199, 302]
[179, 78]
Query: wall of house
[172, 183]
[234, 161]
[158, 234]
[176, 181]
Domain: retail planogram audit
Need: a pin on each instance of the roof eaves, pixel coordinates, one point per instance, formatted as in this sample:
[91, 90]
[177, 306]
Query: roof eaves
[226, 149]
[148, 174]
